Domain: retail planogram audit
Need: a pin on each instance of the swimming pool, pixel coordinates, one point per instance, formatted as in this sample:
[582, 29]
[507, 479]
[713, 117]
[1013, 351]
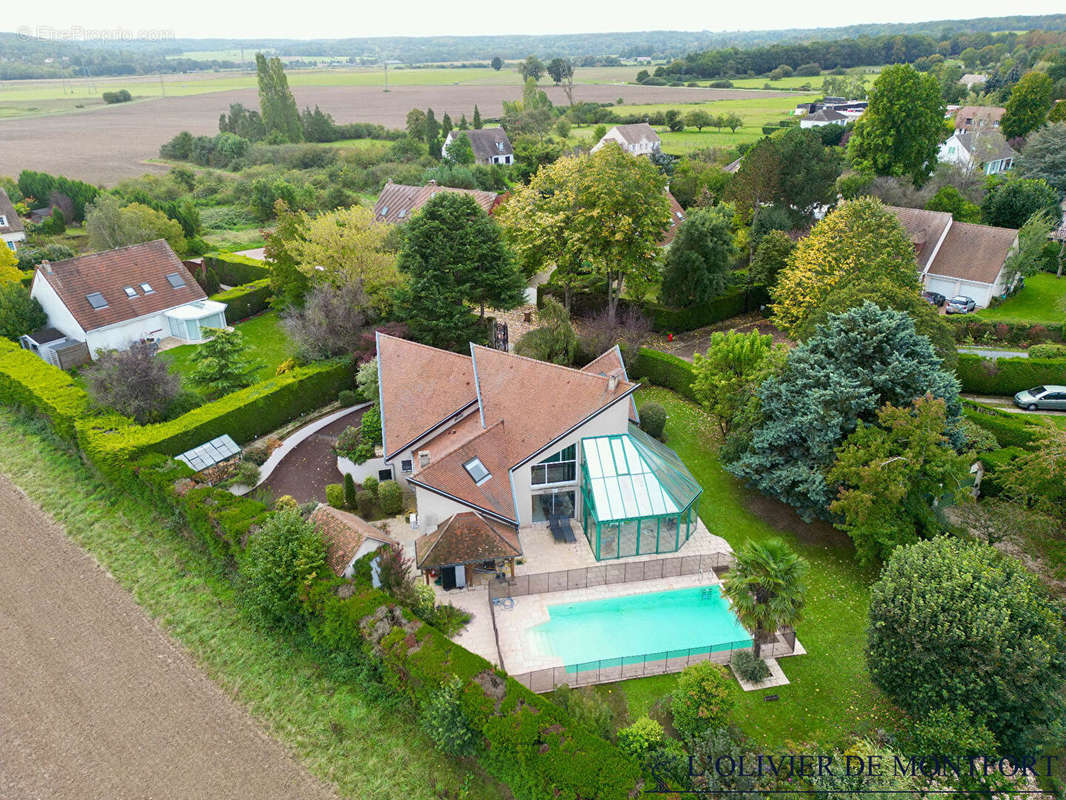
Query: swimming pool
[658, 624]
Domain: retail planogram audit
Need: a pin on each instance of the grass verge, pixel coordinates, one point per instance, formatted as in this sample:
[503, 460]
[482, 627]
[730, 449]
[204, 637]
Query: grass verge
[830, 697]
[367, 746]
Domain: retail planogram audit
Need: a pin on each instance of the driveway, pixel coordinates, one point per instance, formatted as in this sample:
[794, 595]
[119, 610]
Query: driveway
[304, 473]
[97, 702]
[1007, 404]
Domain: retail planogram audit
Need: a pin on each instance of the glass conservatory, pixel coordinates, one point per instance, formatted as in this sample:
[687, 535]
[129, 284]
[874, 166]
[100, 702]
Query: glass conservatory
[638, 496]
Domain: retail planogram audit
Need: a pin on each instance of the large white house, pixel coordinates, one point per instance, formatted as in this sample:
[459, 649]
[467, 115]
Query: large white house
[522, 442]
[639, 139]
[112, 299]
[983, 149]
[11, 229]
[958, 258]
[490, 145]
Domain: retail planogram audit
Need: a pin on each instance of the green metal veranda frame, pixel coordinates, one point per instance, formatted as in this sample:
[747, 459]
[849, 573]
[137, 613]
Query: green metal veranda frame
[638, 497]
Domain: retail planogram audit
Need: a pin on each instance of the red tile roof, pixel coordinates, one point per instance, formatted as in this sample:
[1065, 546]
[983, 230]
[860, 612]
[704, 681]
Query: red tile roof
[110, 272]
[344, 534]
[677, 216]
[466, 538]
[13, 224]
[421, 387]
[398, 201]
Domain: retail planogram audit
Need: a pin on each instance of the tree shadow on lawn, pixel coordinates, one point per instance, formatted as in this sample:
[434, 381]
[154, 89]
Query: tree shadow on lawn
[784, 518]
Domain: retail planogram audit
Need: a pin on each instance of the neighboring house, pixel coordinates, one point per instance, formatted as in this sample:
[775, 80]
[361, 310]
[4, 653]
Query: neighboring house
[677, 216]
[111, 299]
[825, 116]
[525, 442]
[971, 79]
[958, 258]
[639, 139]
[398, 201]
[849, 109]
[986, 150]
[490, 145]
[11, 230]
[55, 348]
[978, 118]
[347, 537]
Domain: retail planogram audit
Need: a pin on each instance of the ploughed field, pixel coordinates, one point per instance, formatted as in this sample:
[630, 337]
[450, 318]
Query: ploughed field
[105, 144]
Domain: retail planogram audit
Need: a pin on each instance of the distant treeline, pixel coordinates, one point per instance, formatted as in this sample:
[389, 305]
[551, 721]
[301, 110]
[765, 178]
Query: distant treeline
[846, 53]
[29, 58]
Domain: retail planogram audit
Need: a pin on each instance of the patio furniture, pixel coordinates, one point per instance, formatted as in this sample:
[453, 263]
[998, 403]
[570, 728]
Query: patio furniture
[562, 530]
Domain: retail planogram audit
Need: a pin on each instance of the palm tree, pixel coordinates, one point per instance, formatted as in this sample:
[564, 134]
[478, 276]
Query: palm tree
[766, 587]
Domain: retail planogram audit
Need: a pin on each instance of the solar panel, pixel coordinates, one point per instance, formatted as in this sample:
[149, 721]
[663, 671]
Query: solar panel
[210, 453]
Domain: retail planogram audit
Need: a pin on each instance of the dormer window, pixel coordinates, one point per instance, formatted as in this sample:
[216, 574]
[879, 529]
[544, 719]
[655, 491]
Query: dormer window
[3, 221]
[147, 288]
[499, 146]
[130, 291]
[477, 471]
[96, 300]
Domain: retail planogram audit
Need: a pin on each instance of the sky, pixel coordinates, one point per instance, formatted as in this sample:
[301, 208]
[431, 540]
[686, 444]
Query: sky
[311, 19]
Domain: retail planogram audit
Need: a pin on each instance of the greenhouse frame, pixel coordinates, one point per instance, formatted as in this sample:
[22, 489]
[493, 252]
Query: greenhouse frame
[638, 498]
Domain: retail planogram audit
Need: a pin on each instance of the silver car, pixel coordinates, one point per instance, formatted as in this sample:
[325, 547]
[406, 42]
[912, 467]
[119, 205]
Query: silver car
[1044, 398]
[960, 305]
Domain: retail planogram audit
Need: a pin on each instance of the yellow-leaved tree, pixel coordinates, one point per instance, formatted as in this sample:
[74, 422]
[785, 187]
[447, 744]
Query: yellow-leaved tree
[344, 246]
[859, 241]
[9, 271]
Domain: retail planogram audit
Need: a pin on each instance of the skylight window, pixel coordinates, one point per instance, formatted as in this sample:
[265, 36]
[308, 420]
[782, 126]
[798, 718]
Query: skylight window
[175, 280]
[130, 291]
[477, 471]
[96, 300]
[384, 211]
[147, 288]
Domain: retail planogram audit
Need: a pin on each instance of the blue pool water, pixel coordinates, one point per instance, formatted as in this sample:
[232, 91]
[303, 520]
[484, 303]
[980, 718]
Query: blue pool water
[667, 624]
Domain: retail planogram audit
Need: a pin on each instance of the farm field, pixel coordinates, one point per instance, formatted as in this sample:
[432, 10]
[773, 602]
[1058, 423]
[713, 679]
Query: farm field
[109, 143]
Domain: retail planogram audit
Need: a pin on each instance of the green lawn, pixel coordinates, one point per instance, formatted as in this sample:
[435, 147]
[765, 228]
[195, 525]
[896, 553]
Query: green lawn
[830, 697]
[368, 747]
[1043, 300]
[266, 340]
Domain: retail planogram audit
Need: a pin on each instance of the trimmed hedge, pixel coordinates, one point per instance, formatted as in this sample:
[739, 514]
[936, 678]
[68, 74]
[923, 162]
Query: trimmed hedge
[995, 463]
[113, 441]
[28, 382]
[1010, 430]
[528, 743]
[1007, 376]
[664, 369]
[245, 300]
[967, 326]
[234, 270]
[678, 320]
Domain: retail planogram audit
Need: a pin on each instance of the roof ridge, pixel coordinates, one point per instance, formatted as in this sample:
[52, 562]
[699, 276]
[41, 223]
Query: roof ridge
[574, 370]
[481, 432]
[384, 335]
[111, 250]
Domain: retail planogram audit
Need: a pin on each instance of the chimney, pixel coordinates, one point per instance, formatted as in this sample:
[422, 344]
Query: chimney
[46, 265]
[612, 383]
[423, 458]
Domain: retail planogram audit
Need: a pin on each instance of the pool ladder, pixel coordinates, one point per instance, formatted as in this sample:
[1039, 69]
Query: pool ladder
[708, 592]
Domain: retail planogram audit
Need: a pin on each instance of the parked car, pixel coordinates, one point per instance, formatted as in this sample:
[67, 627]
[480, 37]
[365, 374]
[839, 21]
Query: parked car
[934, 298]
[960, 305]
[1044, 398]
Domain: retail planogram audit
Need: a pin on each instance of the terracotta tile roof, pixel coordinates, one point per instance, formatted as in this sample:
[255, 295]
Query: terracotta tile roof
[978, 116]
[466, 538]
[112, 270]
[924, 228]
[344, 534]
[564, 397]
[489, 142]
[398, 201]
[447, 474]
[610, 363]
[973, 252]
[677, 216]
[7, 210]
[421, 387]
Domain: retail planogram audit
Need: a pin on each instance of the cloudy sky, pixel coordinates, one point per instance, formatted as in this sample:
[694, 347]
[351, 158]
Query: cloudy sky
[325, 19]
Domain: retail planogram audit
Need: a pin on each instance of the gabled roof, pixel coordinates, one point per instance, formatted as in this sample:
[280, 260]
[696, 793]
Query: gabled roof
[397, 201]
[827, 115]
[109, 272]
[978, 116]
[7, 210]
[488, 142]
[344, 534]
[420, 387]
[514, 407]
[991, 144]
[973, 252]
[925, 229]
[466, 538]
[636, 132]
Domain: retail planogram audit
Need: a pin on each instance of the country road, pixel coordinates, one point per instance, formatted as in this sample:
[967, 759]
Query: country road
[97, 702]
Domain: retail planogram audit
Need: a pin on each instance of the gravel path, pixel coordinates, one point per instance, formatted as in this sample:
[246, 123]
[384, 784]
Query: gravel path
[304, 473]
[96, 701]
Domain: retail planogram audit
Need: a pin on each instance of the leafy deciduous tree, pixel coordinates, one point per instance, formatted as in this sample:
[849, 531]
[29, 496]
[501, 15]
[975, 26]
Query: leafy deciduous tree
[734, 366]
[277, 106]
[19, 313]
[333, 321]
[1011, 202]
[111, 224]
[770, 258]
[1027, 107]
[700, 258]
[1044, 155]
[133, 382]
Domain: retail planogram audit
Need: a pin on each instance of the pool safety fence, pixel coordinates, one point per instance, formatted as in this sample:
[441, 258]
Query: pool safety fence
[609, 670]
[612, 573]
